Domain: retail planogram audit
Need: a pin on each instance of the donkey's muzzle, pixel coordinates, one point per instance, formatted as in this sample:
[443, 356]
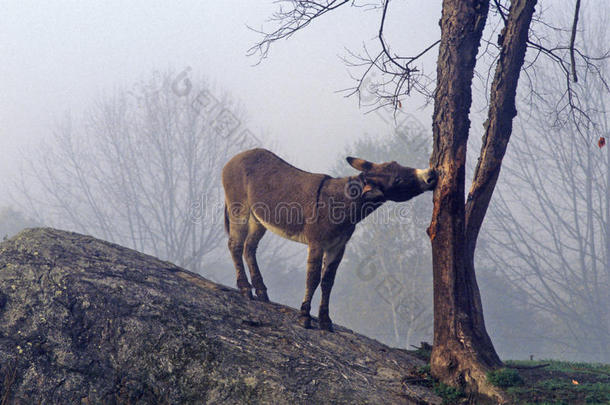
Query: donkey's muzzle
[431, 178]
[427, 178]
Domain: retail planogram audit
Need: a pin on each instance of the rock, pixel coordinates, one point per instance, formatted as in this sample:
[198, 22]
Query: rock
[83, 321]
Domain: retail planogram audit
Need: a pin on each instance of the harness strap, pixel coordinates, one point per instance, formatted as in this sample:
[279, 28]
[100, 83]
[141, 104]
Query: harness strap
[326, 177]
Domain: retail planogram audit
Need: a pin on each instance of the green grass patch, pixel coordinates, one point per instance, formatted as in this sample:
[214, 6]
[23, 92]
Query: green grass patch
[423, 352]
[505, 377]
[560, 382]
[449, 394]
[564, 366]
[424, 369]
[545, 382]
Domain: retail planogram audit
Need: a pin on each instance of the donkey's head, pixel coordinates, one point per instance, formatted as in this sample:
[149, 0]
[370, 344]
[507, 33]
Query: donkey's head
[391, 181]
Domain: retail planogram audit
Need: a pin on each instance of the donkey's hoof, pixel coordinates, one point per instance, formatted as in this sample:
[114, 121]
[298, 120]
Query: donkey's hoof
[262, 295]
[247, 293]
[326, 325]
[305, 321]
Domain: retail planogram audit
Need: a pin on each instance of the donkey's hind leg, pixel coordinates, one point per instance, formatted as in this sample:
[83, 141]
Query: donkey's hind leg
[255, 232]
[238, 232]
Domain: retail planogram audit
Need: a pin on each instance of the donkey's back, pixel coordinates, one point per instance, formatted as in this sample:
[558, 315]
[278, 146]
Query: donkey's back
[262, 188]
[260, 177]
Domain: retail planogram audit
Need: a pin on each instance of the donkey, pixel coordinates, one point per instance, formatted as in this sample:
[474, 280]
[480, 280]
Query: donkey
[262, 191]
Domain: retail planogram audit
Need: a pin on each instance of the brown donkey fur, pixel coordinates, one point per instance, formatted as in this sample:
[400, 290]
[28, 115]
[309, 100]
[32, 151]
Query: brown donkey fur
[262, 192]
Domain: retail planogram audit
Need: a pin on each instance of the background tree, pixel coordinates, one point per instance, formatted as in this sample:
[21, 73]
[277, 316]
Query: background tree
[463, 351]
[558, 250]
[142, 169]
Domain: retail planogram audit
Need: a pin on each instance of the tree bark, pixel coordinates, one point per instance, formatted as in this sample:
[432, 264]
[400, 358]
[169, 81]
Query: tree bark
[462, 352]
[606, 233]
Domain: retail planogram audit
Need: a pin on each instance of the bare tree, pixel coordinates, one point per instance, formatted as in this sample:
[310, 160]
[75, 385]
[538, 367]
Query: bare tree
[559, 249]
[143, 169]
[463, 351]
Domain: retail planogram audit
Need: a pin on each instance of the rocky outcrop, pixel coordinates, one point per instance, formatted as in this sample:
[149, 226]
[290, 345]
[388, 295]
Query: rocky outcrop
[85, 321]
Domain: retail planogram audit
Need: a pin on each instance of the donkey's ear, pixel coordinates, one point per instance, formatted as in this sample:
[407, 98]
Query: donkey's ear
[360, 164]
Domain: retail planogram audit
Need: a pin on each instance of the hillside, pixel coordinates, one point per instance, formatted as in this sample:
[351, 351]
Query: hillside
[85, 321]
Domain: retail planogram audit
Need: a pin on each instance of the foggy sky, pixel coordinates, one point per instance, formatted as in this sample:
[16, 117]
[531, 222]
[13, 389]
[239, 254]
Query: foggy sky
[60, 56]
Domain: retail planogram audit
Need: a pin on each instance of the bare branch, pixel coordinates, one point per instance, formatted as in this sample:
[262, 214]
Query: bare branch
[290, 21]
[384, 47]
[501, 10]
[570, 104]
[399, 76]
[573, 39]
[502, 110]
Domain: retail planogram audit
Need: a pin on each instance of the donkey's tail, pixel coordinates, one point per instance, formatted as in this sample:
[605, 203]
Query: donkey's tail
[227, 223]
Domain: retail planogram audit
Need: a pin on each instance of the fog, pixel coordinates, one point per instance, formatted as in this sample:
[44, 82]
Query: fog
[67, 64]
[59, 56]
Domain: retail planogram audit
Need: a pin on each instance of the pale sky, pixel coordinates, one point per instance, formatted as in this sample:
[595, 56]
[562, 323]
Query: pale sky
[59, 56]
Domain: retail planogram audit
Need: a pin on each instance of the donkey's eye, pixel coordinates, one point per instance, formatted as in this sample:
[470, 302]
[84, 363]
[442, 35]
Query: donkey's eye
[398, 180]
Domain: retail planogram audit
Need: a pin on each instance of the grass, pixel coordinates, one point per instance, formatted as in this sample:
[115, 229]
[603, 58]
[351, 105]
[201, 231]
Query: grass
[559, 382]
[505, 377]
[423, 352]
[449, 394]
[535, 382]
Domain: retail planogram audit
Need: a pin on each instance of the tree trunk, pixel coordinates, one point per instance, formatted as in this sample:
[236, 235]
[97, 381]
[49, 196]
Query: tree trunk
[607, 202]
[462, 352]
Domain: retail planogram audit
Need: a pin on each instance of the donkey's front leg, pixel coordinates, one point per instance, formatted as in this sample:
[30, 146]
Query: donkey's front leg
[314, 266]
[332, 259]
